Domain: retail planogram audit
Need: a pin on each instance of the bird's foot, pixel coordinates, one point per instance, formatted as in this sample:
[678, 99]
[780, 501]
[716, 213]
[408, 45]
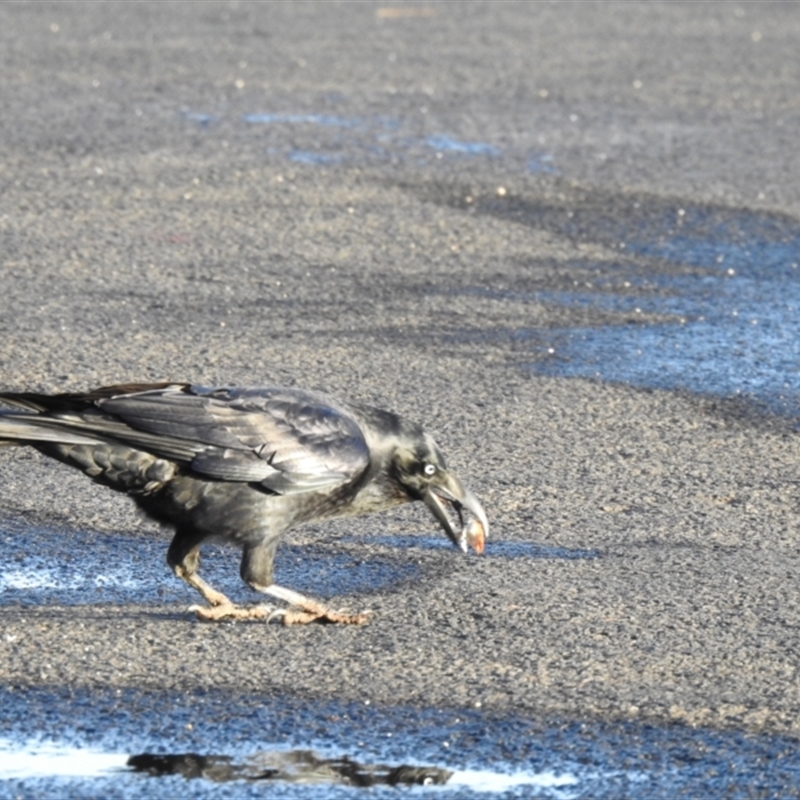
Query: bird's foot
[210, 594]
[303, 610]
[231, 611]
[215, 598]
[314, 612]
[322, 614]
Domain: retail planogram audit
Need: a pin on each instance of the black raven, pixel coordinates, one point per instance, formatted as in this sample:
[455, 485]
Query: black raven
[243, 465]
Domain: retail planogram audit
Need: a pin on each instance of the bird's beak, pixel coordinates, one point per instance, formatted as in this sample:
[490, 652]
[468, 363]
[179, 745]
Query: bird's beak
[449, 494]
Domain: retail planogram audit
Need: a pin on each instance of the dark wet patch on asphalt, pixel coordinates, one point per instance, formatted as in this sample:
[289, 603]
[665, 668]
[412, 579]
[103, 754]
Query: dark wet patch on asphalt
[217, 745]
[287, 766]
[715, 292]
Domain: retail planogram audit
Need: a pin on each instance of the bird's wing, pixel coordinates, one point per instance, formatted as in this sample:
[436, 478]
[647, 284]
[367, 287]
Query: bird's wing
[288, 440]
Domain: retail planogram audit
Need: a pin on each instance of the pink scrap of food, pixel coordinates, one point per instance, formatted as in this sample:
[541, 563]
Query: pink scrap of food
[476, 536]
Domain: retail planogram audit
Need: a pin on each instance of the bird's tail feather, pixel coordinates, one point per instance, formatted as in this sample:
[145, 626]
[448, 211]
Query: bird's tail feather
[24, 427]
[16, 428]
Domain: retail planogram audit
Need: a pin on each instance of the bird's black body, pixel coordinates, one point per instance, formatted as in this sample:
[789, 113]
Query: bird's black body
[241, 466]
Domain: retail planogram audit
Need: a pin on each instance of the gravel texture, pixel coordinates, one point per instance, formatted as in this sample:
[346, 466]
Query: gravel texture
[384, 237]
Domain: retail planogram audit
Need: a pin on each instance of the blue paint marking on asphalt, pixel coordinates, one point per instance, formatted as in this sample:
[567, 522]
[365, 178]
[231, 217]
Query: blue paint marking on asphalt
[311, 157]
[389, 139]
[326, 120]
[203, 120]
[448, 143]
[542, 163]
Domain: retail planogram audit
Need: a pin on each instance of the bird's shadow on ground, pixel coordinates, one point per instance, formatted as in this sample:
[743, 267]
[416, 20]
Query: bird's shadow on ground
[51, 566]
[494, 549]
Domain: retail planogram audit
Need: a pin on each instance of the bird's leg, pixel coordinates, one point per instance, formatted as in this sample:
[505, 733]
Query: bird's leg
[184, 558]
[256, 571]
[214, 598]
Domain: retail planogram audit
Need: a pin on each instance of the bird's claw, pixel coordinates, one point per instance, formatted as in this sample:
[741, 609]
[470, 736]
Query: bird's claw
[277, 614]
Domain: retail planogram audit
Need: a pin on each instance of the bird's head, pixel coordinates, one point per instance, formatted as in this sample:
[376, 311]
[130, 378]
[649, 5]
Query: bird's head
[421, 471]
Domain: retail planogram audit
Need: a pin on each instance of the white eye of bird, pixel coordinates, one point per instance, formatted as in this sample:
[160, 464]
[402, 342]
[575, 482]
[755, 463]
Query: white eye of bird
[429, 469]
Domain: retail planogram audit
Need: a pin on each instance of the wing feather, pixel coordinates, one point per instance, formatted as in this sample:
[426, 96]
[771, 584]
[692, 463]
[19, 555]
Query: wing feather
[288, 440]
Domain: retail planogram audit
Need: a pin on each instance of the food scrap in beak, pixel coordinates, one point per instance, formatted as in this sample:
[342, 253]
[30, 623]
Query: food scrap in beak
[475, 535]
[452, 504]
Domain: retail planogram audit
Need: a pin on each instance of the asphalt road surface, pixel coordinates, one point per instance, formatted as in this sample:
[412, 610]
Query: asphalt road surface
[373, 199]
